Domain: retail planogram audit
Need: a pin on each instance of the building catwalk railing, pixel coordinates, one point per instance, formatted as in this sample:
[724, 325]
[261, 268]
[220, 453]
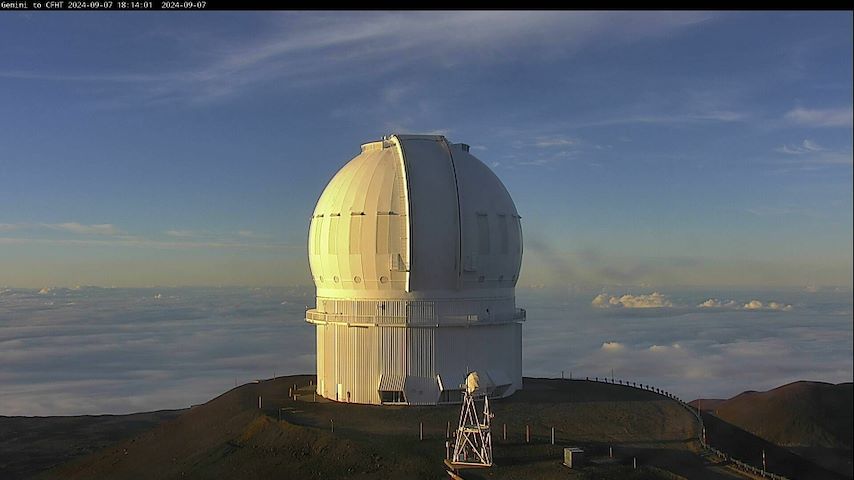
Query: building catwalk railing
[312, 315]
[746, 467]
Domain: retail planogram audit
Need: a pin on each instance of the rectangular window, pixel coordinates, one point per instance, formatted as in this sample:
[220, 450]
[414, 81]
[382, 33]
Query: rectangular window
[313, 235]
[333, 235]
[502, 233]
[382, 233]
[482, 234]
[356, 233]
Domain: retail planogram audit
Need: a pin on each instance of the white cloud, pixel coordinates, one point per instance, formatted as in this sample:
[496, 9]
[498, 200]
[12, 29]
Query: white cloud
[664, 348]
[180, 233]
[652, 300]
[810, 155]
[830, 117]
[81, 229]
[753, 305]
[600, 300]
[779, 306]
[715, 303]
[612, 346]
[548, 142]
[806, 147]
[758, 305]
[135, 242]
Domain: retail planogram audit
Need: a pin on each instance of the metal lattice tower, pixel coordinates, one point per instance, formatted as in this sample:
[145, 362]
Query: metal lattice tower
[474, 438]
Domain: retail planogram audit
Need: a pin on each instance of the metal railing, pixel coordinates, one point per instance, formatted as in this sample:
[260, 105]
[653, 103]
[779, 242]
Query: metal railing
[312, 315]
[746, 467]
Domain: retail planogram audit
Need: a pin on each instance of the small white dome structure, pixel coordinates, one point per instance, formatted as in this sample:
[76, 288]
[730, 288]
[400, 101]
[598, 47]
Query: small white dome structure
[415, 248]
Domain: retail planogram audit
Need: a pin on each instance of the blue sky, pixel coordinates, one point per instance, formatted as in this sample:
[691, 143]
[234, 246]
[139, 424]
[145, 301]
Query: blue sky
[641, 148]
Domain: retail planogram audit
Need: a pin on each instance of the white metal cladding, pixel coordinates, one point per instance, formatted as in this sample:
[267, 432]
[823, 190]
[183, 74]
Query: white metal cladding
[414, 214]
[366, 360]
[415, 248]
[421, 390]
[391, 383]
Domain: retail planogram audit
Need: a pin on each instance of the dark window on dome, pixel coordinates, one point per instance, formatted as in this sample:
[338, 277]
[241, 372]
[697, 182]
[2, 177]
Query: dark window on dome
[315, 233]
[482, 234]
[503, 234]
[333, 235]
[356, 234]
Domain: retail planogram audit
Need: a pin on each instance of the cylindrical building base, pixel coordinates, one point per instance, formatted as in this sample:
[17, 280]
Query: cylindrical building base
[422, 365]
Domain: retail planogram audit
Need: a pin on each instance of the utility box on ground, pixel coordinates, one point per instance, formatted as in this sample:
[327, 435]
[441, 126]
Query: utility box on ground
[573, 457]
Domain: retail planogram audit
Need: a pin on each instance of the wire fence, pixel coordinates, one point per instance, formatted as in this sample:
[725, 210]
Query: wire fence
[701, 437]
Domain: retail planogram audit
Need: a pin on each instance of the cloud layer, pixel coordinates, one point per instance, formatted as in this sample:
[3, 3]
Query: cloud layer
[814, 117]
[694, 352]
[652, 300]
[88, 350]
[753, 304]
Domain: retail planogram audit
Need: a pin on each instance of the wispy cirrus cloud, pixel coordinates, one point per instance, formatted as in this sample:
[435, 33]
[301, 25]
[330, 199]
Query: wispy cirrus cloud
[82, 229]
[555, 141]
[99, 229]
[138, 242]
[810, 155]
[181, 233]
[307, 47]
[109, 235]
[806, 147]
[816, 117]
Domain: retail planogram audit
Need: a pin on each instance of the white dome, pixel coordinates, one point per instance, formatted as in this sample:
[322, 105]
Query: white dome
[415, 248]
[413, 216]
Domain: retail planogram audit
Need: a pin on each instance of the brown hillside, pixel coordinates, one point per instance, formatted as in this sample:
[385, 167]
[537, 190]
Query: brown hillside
[800, 414]
[812, 419]
[33, 444]
[229, 437]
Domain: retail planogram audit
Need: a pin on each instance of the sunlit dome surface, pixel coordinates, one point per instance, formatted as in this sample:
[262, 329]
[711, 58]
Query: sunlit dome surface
[416, 214]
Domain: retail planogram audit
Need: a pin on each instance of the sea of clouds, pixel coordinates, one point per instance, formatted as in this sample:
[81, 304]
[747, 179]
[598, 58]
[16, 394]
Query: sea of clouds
[93, 350]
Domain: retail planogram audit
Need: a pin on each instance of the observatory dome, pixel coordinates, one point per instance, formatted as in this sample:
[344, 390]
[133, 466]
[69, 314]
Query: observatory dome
[415, 248]
[414, 216]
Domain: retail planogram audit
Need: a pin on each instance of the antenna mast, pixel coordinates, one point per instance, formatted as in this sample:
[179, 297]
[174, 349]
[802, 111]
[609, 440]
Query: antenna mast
[474, 439]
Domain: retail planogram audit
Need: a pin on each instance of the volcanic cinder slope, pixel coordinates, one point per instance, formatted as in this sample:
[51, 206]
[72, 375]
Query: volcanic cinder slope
[32, 444]
[231, 437]
[813, 419]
